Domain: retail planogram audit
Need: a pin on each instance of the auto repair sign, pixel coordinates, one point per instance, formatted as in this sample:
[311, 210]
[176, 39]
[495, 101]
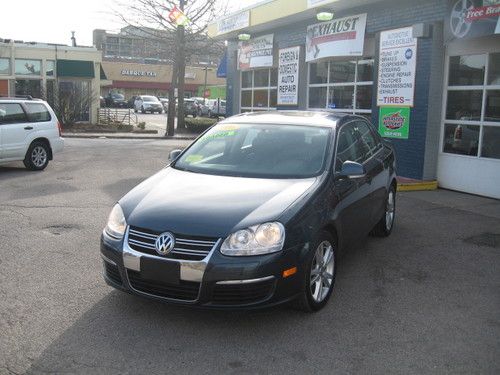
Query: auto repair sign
[288, 76]
[338, 37]
[396, 68]
[256, 53]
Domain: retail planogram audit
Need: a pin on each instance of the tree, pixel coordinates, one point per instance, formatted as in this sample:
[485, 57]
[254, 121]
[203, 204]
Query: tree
[189, 43]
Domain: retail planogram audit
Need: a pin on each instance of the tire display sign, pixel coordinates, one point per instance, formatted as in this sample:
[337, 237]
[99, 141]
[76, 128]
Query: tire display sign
[396, 69]
[472, 19]
[338, 37]
[394, 122]
[256, 53]
[288, 76]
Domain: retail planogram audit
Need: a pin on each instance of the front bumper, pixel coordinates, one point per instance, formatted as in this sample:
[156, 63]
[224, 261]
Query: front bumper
[218, 281]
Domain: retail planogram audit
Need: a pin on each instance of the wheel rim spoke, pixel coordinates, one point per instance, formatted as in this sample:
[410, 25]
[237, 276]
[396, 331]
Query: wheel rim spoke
[322, 270]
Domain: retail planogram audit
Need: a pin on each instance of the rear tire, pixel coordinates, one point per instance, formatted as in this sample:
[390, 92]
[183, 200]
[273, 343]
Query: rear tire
[37, 156]
[384, 227]
[142, 110]
[319, 274]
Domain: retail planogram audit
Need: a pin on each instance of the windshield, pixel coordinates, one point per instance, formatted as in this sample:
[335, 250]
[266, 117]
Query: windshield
[149, 99]
[117, 96]
[258, 150]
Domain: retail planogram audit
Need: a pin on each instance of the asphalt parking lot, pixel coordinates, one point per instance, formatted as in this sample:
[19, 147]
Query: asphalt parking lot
[425, 300]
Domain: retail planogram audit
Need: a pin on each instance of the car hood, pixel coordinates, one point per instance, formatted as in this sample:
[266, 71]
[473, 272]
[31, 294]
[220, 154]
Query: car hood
[208, 205]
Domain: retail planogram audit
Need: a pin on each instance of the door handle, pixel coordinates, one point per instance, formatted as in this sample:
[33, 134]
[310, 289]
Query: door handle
[28, 128]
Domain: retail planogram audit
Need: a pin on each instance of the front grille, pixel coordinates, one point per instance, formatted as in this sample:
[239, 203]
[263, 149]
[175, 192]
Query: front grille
[186, 247]
[242, 294]
[185, 290]
[112, 272]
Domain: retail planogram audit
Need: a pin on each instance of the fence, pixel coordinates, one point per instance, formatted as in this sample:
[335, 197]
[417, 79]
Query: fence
[121, 116]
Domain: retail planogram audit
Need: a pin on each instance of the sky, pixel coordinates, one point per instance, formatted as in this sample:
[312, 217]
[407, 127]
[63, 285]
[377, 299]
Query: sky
[52, 21]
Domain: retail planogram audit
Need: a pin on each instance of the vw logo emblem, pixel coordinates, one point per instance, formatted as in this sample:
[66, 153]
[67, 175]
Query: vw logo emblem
[165, 243]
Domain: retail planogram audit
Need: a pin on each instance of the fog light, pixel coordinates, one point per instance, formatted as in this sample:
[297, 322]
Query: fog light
[289, 272]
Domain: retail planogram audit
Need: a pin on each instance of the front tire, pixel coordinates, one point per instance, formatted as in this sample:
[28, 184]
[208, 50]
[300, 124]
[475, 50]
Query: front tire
[319, 275]
[37, 156]
[384, 227]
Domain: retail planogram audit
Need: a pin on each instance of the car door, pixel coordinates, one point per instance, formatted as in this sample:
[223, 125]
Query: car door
[15, 131]
[353, 195]
[377, 175]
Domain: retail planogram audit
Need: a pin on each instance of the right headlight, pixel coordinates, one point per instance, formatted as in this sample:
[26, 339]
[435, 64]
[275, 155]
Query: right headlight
[260, 239]
[116, 223]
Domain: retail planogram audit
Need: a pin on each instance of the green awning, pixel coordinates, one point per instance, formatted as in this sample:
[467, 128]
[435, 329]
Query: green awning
[75, 68]
[103, 74]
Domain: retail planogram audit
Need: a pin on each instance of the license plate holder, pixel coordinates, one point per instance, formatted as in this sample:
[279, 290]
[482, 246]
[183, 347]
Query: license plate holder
[164, 271]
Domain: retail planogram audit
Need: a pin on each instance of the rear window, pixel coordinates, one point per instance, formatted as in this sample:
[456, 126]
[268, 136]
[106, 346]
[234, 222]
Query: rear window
[37, 112]
[150, 99]
[12, 113]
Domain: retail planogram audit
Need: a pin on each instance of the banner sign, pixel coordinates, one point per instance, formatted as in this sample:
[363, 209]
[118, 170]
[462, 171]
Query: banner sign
[338, 37]
[472, 19]
[256, 53]
[288, 76]
[233, 22]
[396, 67]
[394, 122]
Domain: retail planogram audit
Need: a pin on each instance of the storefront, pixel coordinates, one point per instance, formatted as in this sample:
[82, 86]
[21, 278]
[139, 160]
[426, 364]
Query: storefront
[62, 75]
[132, 79]
[386, 60]
[469, 157]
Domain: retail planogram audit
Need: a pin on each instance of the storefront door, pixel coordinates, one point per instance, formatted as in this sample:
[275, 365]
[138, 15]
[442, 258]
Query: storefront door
[469, 159]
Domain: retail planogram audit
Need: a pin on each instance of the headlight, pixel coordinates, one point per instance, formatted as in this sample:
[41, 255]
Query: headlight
[116, 222]
[259, 239]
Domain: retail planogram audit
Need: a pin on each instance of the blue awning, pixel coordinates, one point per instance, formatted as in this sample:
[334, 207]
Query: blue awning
[222, 68]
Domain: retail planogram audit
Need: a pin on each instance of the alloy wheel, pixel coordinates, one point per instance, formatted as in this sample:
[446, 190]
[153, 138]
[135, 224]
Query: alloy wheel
[389, 211]
[322, 270]
[39, 156]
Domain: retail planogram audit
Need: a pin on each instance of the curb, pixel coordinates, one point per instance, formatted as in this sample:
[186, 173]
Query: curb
[417, 186]
[114, 136]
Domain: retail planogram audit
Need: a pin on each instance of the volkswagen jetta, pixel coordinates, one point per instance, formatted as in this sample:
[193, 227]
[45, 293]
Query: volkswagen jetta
[254, 212]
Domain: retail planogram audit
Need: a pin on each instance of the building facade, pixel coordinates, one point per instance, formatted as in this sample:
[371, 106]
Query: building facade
[425, 73]
[52, 72]
[132, 79]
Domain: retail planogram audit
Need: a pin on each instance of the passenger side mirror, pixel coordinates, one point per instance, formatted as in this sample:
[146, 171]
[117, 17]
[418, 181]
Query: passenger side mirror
[351, 169]
[174, 154]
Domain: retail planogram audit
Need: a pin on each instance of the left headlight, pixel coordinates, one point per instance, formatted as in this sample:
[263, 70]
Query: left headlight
[116, 222]
[256, 240]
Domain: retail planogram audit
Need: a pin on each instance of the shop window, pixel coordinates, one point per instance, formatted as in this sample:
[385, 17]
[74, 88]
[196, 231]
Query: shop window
[494, 69]
[4, 66]
[258, 90]
[51, 93]
[50, 67]
[28, 67]
[467, 70]
[492, 110]
[76, 96]
[317, 97]
[464, 105]
[341, 85]
[31, 87]
[491, 142]
[461, 139]
[472, 117]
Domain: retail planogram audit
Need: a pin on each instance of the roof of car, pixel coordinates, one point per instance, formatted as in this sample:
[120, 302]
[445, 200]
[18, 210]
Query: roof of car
[322, 118]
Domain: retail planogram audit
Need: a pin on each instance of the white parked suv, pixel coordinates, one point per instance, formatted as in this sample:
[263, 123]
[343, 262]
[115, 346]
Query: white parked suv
[29, 131]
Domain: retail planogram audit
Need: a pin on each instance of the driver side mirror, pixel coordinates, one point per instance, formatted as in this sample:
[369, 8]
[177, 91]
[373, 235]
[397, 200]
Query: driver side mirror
[351, 169]
[174, 154]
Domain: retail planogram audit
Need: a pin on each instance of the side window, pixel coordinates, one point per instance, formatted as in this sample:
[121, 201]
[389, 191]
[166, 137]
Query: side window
[11, 113]
[345, 146]
[37, 112]
[367, 137]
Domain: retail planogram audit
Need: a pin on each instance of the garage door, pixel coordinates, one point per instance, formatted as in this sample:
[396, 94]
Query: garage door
[469, 159]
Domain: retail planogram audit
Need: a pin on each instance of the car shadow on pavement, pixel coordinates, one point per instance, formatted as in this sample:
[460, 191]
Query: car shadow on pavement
[123, 333]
